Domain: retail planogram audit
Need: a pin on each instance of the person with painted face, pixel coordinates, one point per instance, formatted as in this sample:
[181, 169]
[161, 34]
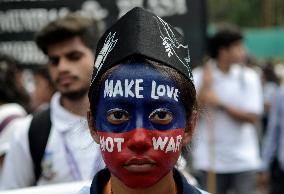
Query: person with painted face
[142, 107]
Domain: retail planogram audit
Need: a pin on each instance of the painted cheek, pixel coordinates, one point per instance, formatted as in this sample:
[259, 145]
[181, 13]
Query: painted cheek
[161, 147]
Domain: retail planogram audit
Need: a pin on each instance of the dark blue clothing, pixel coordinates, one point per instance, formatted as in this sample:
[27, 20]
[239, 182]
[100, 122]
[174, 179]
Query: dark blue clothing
[103, 176]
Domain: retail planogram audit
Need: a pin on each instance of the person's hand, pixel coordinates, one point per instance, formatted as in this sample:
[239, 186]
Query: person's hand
[207, 76]
[211, 99]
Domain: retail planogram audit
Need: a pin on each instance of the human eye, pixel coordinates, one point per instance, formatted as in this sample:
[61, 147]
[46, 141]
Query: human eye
[117, 116]
[53, 61]
[161, 116]
[74, 56]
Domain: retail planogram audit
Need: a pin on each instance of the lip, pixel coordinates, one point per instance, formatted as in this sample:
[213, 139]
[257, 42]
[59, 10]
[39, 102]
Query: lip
[65, 80]
[139, 164]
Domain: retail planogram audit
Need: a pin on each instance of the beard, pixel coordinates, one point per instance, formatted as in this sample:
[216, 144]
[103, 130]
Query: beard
[75, 95]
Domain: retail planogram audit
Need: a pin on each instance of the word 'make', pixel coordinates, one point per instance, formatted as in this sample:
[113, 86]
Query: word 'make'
[134, 88]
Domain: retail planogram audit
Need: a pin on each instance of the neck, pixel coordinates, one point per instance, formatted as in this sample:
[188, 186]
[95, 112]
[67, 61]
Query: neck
[78, 106]
[223, 65]
[162, 187]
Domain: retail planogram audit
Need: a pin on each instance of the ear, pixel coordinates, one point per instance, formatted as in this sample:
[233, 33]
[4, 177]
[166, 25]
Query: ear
[92, 127]
[187, 136]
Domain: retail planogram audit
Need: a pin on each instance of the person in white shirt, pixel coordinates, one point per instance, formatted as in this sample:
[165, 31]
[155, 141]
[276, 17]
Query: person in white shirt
[231, 96]
[69, 43]
[13, 101]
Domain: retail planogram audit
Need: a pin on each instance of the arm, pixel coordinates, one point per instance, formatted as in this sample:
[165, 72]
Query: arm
[210, 99]
[205, 85]
[239, 114]
[18, 168]
[250, 105]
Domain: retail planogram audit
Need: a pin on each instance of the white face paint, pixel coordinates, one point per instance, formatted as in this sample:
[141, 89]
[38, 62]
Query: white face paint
[134, 88]
[166, 144]
[109, 144]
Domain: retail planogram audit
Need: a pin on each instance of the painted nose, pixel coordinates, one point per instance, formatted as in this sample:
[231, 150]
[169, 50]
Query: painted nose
[140, 142]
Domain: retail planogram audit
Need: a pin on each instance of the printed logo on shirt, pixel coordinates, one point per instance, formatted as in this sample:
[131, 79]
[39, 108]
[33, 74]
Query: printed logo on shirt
[47, 166]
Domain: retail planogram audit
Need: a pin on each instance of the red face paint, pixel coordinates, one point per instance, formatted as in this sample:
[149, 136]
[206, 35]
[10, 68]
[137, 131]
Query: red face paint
[141, 157]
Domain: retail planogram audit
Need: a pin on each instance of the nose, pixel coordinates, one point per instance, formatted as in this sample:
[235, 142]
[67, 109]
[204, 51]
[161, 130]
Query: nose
[63, 65]
[140, 141]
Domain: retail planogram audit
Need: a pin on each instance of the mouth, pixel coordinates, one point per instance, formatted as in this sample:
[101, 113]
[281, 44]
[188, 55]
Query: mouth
[139, 165]
[65, 80]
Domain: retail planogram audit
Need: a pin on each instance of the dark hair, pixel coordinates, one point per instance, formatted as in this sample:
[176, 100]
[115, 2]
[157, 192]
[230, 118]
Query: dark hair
[269, 73]
[10, 90]
[67, 27]
[185, 86]
[224, 38]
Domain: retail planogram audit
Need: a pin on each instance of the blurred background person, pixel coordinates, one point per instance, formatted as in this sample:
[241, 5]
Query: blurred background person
[273, 148]
[13, 100]
[50, 148]
[43, 89]
[230, 93]
[271, 84]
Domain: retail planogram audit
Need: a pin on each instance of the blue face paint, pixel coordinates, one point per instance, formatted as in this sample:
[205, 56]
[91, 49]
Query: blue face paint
[138, 96]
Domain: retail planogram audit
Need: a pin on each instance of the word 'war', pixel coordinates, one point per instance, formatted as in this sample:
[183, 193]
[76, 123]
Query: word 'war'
[134, 88]
[166, 144]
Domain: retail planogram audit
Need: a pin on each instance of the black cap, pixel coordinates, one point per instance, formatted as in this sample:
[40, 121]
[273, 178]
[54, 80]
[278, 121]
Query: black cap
[140, 32]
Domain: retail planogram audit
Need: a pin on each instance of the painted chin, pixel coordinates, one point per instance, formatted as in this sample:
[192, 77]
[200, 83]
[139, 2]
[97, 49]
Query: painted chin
[143, 172]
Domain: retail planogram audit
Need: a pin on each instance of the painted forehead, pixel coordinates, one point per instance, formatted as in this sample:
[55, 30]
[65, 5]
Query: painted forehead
[140, 81]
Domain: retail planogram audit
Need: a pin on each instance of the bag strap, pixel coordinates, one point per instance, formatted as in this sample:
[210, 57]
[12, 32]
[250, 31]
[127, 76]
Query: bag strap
[38, 135]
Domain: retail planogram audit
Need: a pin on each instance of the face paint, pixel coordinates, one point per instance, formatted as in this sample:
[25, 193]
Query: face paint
[141, 123]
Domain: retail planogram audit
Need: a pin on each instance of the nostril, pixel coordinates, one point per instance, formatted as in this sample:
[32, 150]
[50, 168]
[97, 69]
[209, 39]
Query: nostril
[139, 147]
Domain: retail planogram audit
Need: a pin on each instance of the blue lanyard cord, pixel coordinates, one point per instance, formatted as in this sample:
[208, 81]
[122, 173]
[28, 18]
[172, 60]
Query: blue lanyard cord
[73, 165]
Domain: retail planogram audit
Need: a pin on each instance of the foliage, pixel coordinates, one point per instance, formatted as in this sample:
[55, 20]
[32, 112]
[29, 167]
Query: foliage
[243, 13]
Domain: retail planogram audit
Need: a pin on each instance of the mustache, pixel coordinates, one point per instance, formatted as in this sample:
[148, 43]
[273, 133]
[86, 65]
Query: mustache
[60, 77]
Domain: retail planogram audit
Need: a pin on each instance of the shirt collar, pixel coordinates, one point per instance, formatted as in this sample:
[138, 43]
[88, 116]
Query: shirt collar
[103, 176]
[61, 118]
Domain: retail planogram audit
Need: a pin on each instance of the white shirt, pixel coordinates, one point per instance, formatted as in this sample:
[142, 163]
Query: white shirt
[7, 111]
[235, 144]
[18, 167]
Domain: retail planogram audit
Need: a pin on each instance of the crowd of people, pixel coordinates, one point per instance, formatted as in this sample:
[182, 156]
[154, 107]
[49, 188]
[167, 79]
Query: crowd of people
[123, 107]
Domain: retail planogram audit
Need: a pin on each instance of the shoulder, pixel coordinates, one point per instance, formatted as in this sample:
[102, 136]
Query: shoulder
[21, 127]
[184, 186]
[248, 72]
[11, 109]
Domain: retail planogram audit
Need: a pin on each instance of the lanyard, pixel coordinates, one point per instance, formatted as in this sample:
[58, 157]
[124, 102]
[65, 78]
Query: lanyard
[73, 165]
